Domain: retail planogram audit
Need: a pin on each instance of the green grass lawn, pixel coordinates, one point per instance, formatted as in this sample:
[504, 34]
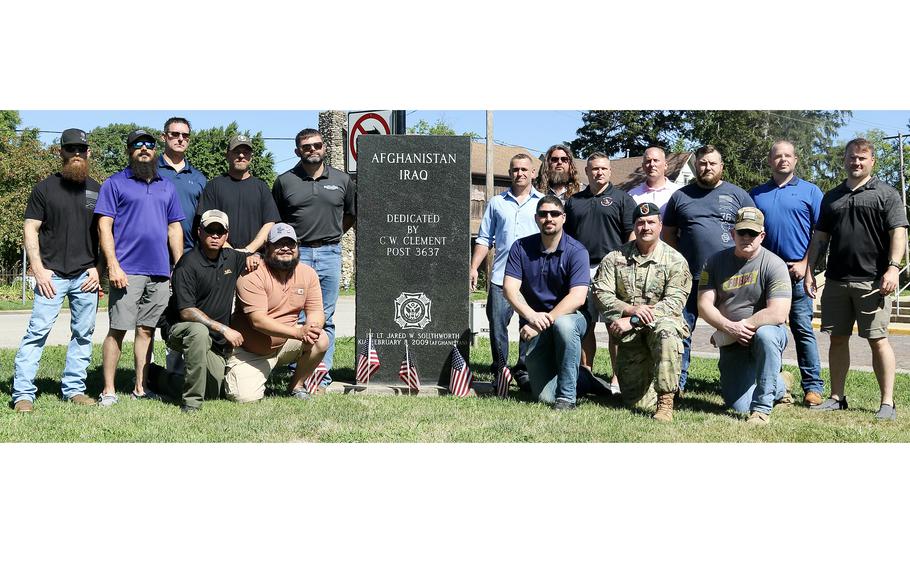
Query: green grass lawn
[700, 417]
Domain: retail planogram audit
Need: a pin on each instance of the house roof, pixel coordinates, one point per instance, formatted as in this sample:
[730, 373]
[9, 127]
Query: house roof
[502, 155]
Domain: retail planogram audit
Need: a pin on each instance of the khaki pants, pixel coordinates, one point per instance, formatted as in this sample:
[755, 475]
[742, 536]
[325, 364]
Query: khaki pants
[248, 372]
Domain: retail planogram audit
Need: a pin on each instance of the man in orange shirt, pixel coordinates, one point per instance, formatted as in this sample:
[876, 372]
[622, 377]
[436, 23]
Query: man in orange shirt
[269, 301]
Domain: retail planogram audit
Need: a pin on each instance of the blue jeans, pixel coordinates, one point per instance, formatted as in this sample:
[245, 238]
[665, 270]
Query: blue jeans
[83, 306]
[690, 315]
[804, 340]
[750, 374]
[499, 314]
[326, 261]
[553, 358]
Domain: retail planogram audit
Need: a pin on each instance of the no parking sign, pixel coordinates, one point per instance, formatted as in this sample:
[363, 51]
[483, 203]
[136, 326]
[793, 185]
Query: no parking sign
[368, 122]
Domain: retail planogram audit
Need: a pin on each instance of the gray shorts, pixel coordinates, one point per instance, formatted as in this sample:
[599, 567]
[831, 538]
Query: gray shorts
[846, 303]
[591, 304]
[141, 303]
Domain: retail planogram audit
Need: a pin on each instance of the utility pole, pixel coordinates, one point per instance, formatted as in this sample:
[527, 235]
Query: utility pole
[900, 149]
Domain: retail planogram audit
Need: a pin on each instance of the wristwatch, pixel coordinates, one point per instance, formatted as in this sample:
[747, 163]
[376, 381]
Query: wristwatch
[894, 264]
[635, 321]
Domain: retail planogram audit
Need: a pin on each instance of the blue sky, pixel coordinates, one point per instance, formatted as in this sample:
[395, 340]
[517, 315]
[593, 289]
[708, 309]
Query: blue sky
[536, 130]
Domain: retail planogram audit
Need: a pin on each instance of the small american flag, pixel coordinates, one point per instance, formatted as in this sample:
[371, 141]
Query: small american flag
[312, 382]
[408, 372]
[367, 361]
[460, 377]
[503, 378]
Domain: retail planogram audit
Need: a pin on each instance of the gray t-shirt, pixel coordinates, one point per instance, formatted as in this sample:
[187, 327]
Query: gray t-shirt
[744, 287]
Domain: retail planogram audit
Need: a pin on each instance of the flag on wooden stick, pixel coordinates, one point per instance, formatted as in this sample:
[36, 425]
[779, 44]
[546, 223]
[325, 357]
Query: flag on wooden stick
[367, 361]
[408, 372]
[503, 378]
[312, 382]
[460, 377]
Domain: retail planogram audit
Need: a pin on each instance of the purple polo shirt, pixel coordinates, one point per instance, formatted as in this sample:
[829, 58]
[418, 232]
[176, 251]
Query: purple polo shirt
[546, 278]
[141, 213]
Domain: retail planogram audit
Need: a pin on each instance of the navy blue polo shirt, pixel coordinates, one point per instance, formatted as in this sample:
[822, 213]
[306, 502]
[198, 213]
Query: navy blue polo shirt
[791, 212]
[189, 183]
[546, 278]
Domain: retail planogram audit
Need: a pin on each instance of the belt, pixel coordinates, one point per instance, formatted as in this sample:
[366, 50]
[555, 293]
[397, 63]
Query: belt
[320, 243]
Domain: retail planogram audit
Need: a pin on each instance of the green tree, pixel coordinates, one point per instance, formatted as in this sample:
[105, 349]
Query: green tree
[9, 121]
[887, 160]
[24, 161]
[439, 128]
[628, 132]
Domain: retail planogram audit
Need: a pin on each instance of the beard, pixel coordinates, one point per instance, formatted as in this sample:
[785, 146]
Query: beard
[75, 170]
[314, 159]
[557, 178]
[145, 170]
[281, 265]
[709, 179]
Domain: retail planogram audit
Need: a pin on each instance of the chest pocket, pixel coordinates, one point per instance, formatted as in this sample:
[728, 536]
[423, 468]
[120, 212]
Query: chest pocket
[91, 199]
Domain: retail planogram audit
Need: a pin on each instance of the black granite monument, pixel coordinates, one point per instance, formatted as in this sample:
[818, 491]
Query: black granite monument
[413, 252]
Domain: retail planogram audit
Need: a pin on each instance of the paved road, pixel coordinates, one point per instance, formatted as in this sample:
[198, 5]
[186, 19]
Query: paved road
[13, 324]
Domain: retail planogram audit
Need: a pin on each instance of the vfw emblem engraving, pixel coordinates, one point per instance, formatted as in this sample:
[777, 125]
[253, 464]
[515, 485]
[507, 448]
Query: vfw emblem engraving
[412, 311]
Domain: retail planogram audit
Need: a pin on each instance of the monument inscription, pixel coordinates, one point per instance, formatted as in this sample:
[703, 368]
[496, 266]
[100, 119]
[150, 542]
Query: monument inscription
[413, 251]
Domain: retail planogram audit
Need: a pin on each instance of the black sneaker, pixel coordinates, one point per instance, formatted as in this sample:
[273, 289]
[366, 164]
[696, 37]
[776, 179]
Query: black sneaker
[189, 409]
[562, 404]
[830, 404]
[522, 380]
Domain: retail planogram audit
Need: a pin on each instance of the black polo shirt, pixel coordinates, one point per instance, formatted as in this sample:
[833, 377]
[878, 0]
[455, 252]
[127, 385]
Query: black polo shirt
[858, 222]
[68, 237]
[207, 285]
[248, 204]
[602, 223]
[314, 207]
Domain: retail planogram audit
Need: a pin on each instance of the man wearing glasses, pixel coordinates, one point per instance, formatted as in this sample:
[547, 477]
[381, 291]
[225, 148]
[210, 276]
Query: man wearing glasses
[559, 176]
[62, 245]
[865, 223]
[744, 293]
[546, 282]
[198, 316]
[242, 196]
[141, 237]
[188, 181]
[318, 202]
[697, 222]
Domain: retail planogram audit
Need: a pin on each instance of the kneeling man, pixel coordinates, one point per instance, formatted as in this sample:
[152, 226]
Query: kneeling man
[546, 282]
[199, 312]
[641, 289]
[269, 301]
[744, 293]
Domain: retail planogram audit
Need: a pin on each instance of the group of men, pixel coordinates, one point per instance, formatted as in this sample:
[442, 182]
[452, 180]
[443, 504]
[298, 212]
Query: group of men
[240, 278]
[650, 262]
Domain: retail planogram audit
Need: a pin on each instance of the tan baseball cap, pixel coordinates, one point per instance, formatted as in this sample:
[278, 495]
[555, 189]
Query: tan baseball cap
[750, 218]
[214, 216]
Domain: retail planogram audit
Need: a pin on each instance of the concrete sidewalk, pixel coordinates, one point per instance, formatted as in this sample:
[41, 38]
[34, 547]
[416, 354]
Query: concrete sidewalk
[13, 324]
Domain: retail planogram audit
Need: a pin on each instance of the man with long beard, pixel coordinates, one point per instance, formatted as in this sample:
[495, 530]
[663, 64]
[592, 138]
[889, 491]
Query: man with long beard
[318, 202]
[62, 247]
[698, 222]
[269, 301]
[558, 175]
[139, 221]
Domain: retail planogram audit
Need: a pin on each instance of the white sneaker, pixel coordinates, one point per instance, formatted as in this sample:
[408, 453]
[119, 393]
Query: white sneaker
[107, 399]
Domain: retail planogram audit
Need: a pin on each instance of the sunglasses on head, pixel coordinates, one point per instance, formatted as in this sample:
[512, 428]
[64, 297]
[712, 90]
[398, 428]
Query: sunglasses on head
[176, 135]
[148, 144]
[75, 148]
[313, 146]
[746, 233]
[545, 213]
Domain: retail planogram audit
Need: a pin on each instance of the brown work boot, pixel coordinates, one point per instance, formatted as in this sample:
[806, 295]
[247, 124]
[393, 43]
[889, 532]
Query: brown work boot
[24, 405]
[812, 398]
[759, 418]
[664, 407]
[82, 400]
[787, 377]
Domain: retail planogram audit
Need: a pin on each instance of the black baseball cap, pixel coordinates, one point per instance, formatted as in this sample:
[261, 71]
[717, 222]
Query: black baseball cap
[138, 135]
[73, 136]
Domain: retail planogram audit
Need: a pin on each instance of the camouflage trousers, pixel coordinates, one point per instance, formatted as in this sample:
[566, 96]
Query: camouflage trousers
[648, 364]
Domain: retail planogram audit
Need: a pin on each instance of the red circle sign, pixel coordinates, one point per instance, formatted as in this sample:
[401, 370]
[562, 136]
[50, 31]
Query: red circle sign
[358, 129]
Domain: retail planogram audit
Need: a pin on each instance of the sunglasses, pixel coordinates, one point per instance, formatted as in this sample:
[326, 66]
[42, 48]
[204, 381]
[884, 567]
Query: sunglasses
[558, 159]
[148, 144]
[75, 148]
[308, 147]
[544, 214]
[746, 233]
[215, 231]
[176, 135]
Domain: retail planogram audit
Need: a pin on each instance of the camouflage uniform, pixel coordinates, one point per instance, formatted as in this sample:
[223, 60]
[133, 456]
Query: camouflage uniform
[651, 353]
